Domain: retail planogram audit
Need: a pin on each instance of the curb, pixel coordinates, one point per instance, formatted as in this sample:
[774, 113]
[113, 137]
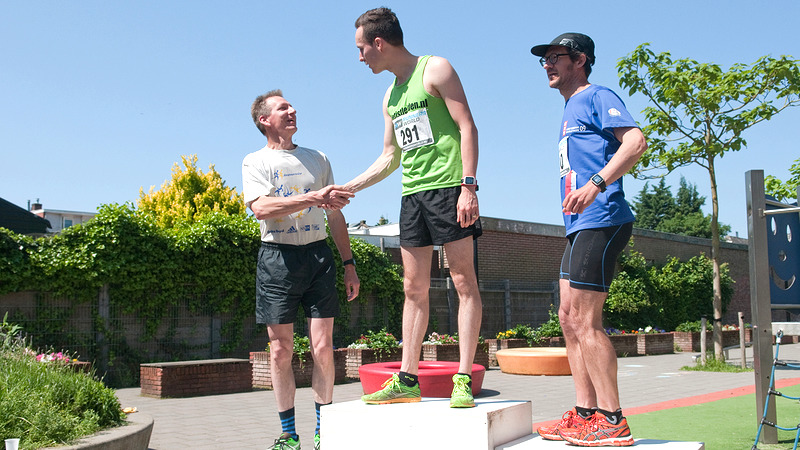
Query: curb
[135, 435]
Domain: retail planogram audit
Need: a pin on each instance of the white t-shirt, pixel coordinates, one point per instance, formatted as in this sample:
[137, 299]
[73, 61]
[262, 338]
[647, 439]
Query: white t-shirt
[283, 173]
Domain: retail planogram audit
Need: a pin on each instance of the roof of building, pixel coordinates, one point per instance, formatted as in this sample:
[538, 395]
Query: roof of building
[21, 221]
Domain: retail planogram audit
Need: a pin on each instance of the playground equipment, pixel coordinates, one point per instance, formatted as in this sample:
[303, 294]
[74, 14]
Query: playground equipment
[774, 254]
[772, 391]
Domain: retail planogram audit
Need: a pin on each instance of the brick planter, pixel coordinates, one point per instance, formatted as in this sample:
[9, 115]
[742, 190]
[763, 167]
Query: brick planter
[655, 343]
[689, 341]
[625, 344]
[449, 352]
[356, 357]
[193, 378]
[262, 375]
[493, 345]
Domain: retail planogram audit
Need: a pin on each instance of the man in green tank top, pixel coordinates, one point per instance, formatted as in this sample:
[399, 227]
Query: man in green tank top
[429, 130]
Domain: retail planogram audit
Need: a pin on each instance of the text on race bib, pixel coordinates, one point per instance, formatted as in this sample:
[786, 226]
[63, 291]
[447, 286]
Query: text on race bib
[413, 130]
[563, 156]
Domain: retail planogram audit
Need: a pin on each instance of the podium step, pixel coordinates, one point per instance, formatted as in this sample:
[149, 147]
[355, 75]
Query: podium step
[533, 441]
[430, 423]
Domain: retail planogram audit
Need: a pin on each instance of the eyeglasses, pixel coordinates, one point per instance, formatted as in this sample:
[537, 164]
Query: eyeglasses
[552, 59]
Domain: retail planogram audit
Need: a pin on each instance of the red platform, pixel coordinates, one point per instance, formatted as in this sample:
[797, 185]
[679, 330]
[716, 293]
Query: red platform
[435, 377]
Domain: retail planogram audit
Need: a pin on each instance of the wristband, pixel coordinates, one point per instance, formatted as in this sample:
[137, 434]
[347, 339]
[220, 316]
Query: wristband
[349, 261]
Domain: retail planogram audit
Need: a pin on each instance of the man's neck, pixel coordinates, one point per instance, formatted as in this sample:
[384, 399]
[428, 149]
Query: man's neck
[281, 144]
[572, 90]
[405, 65]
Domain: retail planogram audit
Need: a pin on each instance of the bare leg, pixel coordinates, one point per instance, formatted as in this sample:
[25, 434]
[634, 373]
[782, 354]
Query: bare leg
[281, 338]
[460, 255]
[417, 281]
[321, 337]
[592, 358]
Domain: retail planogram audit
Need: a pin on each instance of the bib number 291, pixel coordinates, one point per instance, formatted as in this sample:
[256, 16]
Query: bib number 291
[413, 130]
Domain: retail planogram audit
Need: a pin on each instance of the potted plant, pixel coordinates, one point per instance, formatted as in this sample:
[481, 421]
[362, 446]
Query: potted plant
[687, 336]
[625, 343]
[654, 341]
[516, 337]
[444, 347]
[371, 347]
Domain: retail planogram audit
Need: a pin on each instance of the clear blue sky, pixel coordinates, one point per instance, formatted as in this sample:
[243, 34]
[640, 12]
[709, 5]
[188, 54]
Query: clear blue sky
[99, 98]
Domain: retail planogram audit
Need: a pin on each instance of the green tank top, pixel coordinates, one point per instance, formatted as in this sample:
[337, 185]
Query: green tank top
[428, 137]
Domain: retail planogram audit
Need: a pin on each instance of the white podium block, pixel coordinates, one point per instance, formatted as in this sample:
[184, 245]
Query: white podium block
[535, 442]
[430, 423]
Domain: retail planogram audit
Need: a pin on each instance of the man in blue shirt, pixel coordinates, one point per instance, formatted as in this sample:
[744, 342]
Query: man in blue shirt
[598, 143]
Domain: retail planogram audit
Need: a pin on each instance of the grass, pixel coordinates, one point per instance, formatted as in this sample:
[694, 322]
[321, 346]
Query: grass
[715, 365]
[731, 423]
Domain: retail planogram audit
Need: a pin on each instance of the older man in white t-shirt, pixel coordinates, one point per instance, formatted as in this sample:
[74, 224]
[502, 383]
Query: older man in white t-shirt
[290, 190]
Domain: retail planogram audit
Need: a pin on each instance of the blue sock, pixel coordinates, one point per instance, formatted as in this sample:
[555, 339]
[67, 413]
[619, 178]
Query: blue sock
[287, 423]
[317, 406]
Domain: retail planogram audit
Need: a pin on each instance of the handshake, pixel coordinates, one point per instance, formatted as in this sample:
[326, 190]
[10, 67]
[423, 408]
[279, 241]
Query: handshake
[333, 197]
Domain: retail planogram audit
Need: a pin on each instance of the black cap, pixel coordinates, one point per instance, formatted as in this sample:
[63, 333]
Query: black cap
[576, 41]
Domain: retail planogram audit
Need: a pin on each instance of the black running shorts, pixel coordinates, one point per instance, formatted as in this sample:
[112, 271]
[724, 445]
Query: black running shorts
[591, 256]
[288, 276]
[430, 218]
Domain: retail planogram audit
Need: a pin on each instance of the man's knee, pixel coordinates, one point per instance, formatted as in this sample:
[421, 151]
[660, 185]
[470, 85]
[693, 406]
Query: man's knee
[281, 355]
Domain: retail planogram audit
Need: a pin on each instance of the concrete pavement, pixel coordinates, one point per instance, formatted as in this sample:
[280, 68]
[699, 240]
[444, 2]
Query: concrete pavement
[250, 420]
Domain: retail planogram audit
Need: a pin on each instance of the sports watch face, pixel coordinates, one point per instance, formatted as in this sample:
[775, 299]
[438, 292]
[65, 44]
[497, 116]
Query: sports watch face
[599, 182]
[468, 180]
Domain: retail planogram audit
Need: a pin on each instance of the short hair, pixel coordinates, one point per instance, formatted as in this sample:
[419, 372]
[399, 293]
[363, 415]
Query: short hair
[381, 22]
[574, 54]
[261, 107]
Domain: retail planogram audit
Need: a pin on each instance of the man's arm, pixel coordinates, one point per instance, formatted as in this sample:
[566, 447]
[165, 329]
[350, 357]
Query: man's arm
[340, 237]
[441, 80]
[630, 150]
[266, 207]
[387, 162]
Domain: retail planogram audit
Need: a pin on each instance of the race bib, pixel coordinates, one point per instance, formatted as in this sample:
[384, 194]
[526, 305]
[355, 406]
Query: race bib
[413, 130]
[563, 156]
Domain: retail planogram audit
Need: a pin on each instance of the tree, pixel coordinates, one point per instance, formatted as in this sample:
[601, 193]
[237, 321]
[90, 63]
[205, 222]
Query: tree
[784, 191]
[699, 113]
[189, 195]
[660, 211]
[652, 208]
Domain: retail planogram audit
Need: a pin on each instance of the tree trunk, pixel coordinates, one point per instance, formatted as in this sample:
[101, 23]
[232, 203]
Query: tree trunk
[715, 239]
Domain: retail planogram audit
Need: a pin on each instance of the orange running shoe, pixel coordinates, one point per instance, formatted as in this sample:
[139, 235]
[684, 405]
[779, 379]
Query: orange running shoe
[599, 432]
[571, 420]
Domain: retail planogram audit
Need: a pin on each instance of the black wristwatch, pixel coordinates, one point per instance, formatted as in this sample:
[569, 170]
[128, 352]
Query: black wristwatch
[598, 181]
[349, 261]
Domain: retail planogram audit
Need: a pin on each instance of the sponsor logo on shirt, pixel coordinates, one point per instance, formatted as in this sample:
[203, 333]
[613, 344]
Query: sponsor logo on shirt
[410, 107]
[614, 112]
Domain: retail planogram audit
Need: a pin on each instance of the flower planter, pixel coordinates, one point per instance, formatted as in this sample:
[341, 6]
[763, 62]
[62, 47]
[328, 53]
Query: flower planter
[262, 375]
[356, 357]
[493, 345]
[689, 341]
[450, 352]
[655, 343]
[625, 344]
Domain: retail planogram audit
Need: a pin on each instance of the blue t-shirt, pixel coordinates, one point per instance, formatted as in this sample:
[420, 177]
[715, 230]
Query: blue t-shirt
[586, 144]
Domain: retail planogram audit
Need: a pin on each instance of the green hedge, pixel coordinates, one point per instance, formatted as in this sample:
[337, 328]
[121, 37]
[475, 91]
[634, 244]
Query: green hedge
[149, 268]
[663, 296]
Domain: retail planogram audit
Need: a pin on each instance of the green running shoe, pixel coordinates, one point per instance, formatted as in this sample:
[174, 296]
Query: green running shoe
[462, 392]
[285, 442]
[316, 442]
[393, 392]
